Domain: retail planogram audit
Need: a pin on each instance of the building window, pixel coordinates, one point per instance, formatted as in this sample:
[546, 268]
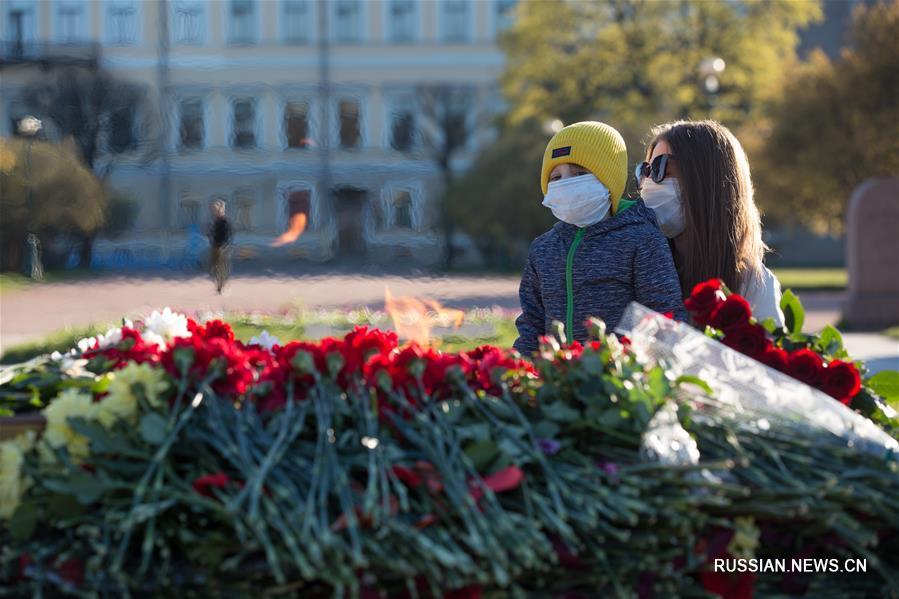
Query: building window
[71, 22]
[402, 124]
[505, 14]
[121, 22]
[402, 20]
[20, 26]
[348, 21]
[191, 128]
[188, 210]
[299, 201]
[189, 25]
[455, 15]
[296, 125]
[121, 131]
[243, 22]
[244, 135]
[297, 23]
[244, 200]
[350, 135]
[402, 210]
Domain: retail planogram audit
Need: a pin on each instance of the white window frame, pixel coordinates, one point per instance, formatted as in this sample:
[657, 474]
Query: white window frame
[205, 111]
[312, 7]
[417, 28]
[229, 24]
[391, 101]
[441, 23]
[29, 24]
[84, 30]
[106, 131]
[259, 142]
[336, 98]
[415, 189]
[192, 196]
[108, 23]
[281, 191]
[203, 17]
[312, 120]
[255, 205]
[363, 24]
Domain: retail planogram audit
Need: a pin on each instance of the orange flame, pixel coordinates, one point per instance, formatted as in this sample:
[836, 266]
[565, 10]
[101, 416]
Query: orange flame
[413, 320]
[293, 232]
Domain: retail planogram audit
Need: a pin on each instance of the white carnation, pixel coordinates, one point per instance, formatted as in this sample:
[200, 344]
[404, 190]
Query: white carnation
[265, 340]
[162, 327]
[86, 344]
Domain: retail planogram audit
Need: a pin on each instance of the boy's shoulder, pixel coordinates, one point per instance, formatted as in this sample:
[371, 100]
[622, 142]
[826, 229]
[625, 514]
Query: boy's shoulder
[546, 238]
[637, 221]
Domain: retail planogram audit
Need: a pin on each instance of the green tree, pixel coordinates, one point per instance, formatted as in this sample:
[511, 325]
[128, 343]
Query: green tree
[498, 201]
[106, 116]
[45, 189]
[834, 127]
[632, 64]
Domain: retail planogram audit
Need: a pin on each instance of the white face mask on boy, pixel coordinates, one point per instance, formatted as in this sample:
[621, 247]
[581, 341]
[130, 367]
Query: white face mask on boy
[581, 201]
[664, 199]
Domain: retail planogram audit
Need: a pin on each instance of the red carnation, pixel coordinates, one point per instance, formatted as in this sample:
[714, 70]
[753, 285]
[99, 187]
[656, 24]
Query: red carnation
[204, 484]
[131, 348]
[235, 371]
[731, 313]
[841, 381]
[806, 366]
[737, 585]
[506, 479]
[195, 328]
[72, 571]
[408, 476]
[704, 298]
[749, 339]
[775, 358]
[219, 329]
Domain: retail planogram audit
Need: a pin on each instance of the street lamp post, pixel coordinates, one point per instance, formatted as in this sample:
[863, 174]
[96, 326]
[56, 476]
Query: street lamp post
[30, 126]
[710, 69]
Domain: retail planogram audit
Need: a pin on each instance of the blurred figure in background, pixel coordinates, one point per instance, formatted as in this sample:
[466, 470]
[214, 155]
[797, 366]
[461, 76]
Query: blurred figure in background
[219, 241]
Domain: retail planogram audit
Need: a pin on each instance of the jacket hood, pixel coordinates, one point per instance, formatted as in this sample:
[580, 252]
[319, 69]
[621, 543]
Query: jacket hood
[637, 214]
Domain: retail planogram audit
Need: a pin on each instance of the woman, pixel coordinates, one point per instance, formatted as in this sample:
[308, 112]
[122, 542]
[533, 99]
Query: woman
[696, 180]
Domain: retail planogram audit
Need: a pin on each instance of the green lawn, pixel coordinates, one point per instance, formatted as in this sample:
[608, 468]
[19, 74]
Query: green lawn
[13, 282]
[10, 282]
[812, 278]
[289, 328]
[61, 341]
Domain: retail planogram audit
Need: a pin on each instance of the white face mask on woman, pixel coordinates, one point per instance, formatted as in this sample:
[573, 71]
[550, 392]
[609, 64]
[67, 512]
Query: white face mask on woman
[664, 199]
[581, 201]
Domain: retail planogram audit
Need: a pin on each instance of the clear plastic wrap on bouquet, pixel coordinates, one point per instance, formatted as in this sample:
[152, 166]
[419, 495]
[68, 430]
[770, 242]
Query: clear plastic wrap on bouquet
[743, 388]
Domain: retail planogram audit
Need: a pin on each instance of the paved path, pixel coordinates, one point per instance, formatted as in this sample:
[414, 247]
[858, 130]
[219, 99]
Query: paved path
[33, 312]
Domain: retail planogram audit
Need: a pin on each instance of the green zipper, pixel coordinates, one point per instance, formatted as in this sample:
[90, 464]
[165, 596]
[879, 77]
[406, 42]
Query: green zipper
[569, 285]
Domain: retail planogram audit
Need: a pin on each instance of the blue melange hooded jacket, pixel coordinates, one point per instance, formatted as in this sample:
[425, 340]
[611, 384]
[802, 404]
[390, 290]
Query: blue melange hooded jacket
[618, 260]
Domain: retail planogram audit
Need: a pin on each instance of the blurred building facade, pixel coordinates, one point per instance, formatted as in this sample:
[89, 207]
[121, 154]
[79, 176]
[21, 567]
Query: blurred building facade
[280, 107]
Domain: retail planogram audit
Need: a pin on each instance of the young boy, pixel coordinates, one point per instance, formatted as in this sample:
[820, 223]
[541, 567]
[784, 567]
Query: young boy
[605, 252]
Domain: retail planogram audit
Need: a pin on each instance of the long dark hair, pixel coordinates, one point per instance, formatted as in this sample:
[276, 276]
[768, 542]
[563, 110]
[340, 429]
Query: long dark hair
[723, 233]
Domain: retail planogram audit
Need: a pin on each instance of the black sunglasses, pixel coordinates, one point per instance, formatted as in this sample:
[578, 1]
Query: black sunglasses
[655, 170]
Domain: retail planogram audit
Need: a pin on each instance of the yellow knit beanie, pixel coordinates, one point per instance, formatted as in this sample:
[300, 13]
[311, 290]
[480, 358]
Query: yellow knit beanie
[595, 146]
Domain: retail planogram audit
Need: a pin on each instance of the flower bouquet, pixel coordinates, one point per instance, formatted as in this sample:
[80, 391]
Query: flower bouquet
[176, 457]
[818, 360]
